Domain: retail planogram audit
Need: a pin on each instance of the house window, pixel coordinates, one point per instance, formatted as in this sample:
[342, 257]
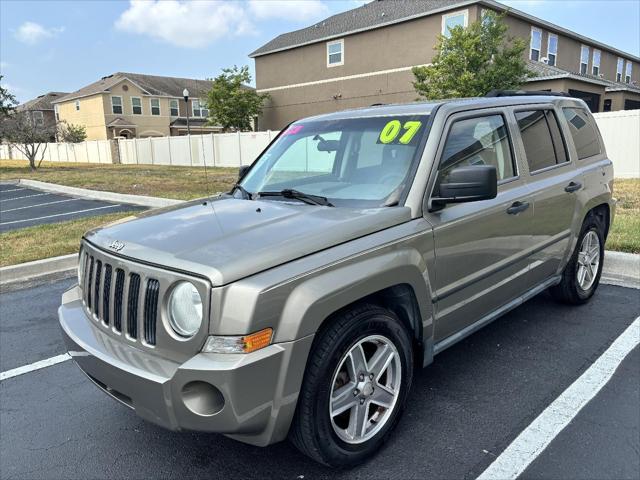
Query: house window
[452, 20]
[627, 74]
[173, 107]
[77, 105]
[595, 62]
[200, 108]
[57, 112]
[136, 105]
[116, 105]
[536, 44]
[335, 53]
[619, 69]
[584, 59]
[552, 49]
[38, 118]
[155, 106]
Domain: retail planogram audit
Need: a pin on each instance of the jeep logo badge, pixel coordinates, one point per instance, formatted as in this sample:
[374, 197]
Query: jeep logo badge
[116, 245]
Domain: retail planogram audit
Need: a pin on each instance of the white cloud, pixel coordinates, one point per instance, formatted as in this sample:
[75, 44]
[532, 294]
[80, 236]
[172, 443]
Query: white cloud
[293, 10]
[185, 24]
[32, 33]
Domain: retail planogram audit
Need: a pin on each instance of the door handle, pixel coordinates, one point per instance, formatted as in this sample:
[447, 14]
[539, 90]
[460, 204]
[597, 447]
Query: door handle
[517, 207]
[573, 187]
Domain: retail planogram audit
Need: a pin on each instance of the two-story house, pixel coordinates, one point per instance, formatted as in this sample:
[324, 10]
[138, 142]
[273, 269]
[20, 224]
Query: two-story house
[41, 110]
[365, 56]
[132, 105]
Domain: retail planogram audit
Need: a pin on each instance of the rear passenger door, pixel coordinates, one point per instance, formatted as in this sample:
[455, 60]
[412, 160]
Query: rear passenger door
[554, 182]
[480, 247]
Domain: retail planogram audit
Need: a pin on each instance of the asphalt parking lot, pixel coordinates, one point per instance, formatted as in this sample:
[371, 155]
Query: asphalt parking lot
[25, 207]
[464, 409]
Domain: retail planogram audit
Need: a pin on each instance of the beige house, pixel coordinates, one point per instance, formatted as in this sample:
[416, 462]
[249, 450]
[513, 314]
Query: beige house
[365, 56]
[131, 105]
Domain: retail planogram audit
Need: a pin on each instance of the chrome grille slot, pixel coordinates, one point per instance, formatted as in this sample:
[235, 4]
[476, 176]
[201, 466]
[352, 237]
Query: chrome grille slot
[117, 300]
[96, 298]
[132, 305]
[89, 283]
[151, 310]
[106, 294]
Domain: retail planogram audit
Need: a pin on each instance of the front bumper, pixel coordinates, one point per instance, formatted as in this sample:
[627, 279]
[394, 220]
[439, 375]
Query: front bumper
[250, 397]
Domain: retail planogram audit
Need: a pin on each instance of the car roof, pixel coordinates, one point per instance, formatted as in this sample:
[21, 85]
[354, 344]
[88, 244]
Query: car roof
[425, 108]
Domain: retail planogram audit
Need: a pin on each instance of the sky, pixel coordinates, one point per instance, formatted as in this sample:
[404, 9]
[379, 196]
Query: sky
[51, 45]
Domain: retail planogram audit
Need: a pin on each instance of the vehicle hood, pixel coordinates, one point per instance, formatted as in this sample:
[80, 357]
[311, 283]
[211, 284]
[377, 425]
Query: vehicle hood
[228, 239]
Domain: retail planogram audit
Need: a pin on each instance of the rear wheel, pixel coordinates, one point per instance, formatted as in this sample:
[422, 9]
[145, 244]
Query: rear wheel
[355, 387]
[581, 276]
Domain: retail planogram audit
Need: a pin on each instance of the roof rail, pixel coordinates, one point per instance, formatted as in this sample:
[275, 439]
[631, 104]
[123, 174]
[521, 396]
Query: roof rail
[523, 93]
[377, 104]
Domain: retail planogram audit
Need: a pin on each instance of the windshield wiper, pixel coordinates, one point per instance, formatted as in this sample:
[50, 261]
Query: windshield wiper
[303, 197]
[245, 193]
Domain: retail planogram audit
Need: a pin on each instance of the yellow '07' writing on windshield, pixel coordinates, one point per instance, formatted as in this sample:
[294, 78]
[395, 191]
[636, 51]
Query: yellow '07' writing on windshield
[392, 130]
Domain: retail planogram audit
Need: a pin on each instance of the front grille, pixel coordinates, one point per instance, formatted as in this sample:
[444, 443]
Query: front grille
[106, 305]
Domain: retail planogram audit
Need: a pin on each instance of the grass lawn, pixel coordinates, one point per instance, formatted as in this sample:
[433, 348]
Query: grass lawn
[625, 233]
[183, 183]
[44, 241]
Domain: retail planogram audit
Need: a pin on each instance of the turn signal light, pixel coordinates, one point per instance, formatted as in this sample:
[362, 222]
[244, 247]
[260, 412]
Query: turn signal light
[238, 344]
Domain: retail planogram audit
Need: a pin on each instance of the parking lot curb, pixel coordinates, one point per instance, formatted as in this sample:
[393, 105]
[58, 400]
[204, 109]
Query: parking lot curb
[141, 200]
[621, 269]
[38, 268]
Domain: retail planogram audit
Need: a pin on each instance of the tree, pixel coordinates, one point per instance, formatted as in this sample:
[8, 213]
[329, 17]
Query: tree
[24, 132]
[232, 105]
[70, 133]
[7, 101]
[473, 61]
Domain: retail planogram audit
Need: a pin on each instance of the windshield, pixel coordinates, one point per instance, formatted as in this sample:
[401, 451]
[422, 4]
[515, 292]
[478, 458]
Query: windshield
[361, 162]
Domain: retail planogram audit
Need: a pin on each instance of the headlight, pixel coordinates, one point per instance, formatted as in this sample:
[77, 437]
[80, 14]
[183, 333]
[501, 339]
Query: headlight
[185, 309]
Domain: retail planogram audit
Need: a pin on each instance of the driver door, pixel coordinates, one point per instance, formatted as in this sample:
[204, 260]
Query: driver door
[480, 247]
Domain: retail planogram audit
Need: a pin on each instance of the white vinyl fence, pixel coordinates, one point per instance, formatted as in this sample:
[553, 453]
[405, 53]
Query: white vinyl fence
[93, 151]
[621, 133]
[216, 150]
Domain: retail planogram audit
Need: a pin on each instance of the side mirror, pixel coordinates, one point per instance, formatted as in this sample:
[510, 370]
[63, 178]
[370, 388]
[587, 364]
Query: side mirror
[243, 171]
[468, 184]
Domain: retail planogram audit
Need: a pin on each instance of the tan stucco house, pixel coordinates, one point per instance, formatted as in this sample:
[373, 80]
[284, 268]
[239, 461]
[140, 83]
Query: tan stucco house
[133, 105]
[365, 56]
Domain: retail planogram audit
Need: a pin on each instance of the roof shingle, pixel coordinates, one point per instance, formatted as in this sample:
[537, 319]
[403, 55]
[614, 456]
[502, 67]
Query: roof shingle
[42, 102]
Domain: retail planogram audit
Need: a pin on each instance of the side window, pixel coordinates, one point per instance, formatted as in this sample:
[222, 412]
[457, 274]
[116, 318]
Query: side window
[478, 141]
[584, 135]
[542, 139]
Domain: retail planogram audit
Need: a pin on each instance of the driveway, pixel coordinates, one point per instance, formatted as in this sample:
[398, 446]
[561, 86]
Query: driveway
[463, 411]
[25, 207]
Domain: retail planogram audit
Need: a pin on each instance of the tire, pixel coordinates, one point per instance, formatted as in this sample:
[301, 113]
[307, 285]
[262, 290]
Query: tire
[327, 438]
[572, 289]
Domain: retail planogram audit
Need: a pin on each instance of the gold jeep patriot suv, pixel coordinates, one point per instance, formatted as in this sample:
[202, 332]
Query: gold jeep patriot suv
[358, 246]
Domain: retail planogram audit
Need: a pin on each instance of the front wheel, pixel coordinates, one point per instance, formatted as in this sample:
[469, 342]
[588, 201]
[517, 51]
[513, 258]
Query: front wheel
[581, 276]
[357, 379]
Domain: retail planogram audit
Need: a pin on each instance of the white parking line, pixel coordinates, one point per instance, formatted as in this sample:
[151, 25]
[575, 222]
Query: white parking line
[24, 196]
[59, 214]
[13, 190]
[34, 366]
[41, 204]
[533, 440]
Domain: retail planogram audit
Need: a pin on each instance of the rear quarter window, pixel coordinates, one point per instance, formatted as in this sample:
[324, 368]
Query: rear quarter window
[543, 143]
[585, 137]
